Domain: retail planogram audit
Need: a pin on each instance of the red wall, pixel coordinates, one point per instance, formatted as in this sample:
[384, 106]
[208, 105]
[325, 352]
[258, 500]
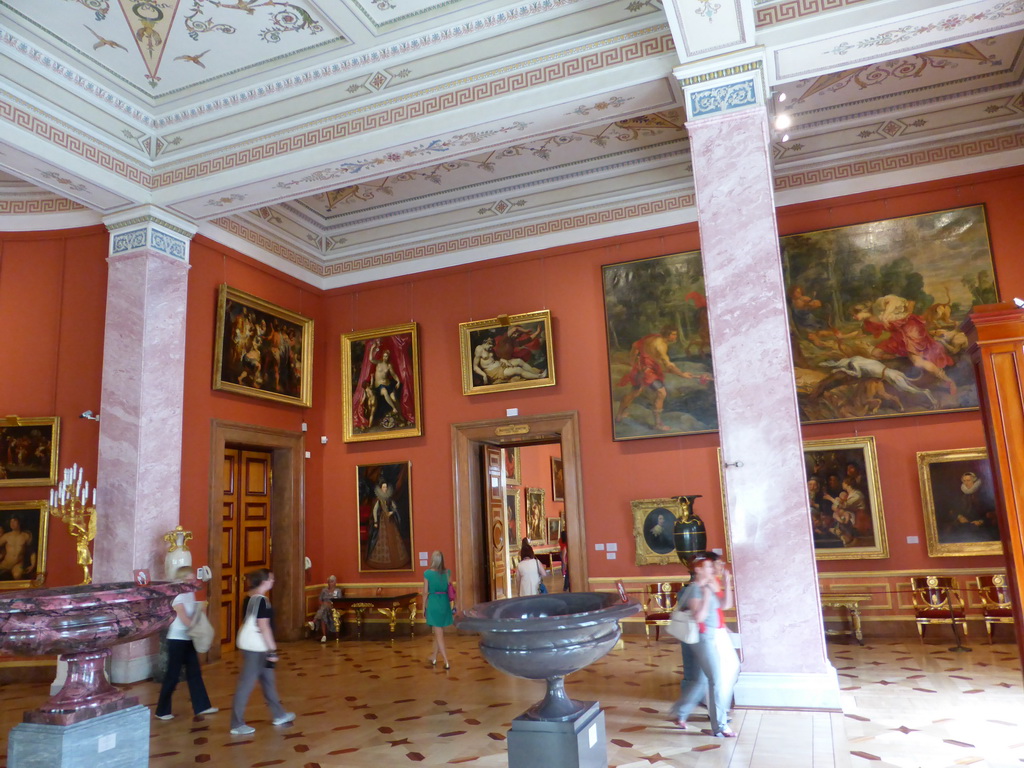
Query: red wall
[55, 336]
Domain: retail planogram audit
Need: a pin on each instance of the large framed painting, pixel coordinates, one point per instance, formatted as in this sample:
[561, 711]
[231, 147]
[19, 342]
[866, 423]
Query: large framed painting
[654, 525]
[513, 516]
[28, 450]
[535, 516]
[262, 350]
[958, 496]
[659, 348]
[507, 352]
[875, 311]
[380, 384]
[513, 474]
[845, 499]
[384, 504]
[23, 532]
[554, 529]
[557, 479]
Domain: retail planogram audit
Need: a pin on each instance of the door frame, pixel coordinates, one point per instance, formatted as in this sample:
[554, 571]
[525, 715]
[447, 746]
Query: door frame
[287, 517]
[467, 473]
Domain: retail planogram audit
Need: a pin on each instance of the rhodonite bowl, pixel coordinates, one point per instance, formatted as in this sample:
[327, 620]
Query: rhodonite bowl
[546, 637]
[82, 624]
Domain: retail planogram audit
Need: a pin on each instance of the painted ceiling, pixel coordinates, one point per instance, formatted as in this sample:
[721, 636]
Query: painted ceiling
[345, 140]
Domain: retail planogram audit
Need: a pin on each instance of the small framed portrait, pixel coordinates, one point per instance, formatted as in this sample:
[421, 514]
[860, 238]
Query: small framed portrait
[23, 531]
[845, 499]
[554, 529]
[958, 496]
[507, 352]
[654, 527]
[557, 479]
[28, 450]
[262, 350]
[380, 375]
[384, 511]
[512, 499]
[535, 517]
[513, 474]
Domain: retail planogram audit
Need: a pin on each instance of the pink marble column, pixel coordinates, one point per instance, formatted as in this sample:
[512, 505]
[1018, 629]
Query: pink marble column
[139, 468]
[784, 658]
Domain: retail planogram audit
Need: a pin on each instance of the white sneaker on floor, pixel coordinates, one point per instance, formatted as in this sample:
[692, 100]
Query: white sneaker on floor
[164, 717]
[323, 638]
[284, 719]
[311, 625]
[242, 730]
[210, 711]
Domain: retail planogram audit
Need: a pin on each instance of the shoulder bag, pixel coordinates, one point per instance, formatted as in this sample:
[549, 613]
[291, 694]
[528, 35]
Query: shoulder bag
[249, 637]
[201, 630]
[682, 626]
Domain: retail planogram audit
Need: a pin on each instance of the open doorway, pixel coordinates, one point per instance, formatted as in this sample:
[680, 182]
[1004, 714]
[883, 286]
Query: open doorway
[468, 440]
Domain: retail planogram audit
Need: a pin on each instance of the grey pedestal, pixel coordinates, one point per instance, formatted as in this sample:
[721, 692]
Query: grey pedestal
[117, 740]
[578, 743]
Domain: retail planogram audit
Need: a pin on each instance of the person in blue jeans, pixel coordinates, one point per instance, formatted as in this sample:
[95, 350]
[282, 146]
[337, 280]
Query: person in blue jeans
[704, 600]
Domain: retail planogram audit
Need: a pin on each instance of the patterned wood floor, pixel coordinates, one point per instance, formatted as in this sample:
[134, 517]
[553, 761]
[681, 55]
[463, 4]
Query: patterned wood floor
[378, 703]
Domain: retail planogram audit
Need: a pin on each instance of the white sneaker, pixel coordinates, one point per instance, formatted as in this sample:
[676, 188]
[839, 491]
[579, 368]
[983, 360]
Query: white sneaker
[311, 625]
[323, 639]
[164, 717]
[287, 717]
[242, 730]
[210, 711]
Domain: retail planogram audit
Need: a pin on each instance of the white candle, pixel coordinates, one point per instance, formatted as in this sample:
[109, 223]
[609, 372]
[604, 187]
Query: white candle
[80, 469]
[94, 497]
[53, 496]
[85, 493]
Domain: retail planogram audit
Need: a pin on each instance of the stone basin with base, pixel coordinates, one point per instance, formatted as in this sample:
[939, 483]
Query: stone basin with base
[88, 719]
[546, 637]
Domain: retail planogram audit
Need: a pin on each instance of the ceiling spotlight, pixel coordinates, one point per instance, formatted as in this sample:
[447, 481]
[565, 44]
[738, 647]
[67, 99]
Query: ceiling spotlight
[783, 121]
[785, 137]
[782, 97]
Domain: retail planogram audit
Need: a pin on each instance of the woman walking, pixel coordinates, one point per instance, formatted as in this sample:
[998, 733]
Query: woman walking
[530, 571]
[438, 608]
[181, 652]
[257, 664]
[701, 598]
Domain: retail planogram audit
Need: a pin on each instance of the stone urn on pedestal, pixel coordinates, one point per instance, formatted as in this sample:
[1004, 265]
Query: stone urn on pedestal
[178, 555]
[546, 637]
[89, 722]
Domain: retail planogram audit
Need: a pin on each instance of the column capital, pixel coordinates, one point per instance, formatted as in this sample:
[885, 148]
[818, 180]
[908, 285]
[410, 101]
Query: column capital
[149, 228]
[724, 84]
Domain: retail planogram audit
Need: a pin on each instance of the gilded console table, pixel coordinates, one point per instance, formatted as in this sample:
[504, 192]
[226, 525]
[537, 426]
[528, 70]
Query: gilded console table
[851, 602]
[386, 605]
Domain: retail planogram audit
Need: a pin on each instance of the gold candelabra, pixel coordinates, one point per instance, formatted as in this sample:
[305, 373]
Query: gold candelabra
[70, 502]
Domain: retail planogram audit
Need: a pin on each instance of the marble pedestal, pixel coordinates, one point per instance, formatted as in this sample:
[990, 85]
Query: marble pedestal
[117, 740]
[577, 743]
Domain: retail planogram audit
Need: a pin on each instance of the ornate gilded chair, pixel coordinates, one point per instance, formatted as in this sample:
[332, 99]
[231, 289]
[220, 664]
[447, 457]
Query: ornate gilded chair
[996, 601]
[658, 604]
[937, 601]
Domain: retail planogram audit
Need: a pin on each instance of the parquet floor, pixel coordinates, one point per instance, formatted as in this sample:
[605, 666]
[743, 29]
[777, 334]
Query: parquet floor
[378, 703]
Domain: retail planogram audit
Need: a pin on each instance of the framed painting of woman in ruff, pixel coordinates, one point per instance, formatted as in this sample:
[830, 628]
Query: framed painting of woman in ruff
[384, 505]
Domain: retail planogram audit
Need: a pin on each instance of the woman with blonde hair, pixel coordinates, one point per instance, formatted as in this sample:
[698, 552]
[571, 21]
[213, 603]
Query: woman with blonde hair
[437, 610]
[181, 652]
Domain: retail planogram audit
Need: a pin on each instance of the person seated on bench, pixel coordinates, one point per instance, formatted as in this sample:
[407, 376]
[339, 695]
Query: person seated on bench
[324, 619]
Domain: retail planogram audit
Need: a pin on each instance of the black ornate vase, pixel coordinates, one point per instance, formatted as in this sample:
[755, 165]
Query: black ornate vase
[690, 536]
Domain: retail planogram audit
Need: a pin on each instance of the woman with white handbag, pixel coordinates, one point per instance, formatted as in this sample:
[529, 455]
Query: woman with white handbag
[700, 597]
[259, 654]
[181, 652]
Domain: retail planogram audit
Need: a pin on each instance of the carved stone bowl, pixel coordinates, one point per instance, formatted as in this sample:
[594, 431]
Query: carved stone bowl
[82, 624]
[546, 637]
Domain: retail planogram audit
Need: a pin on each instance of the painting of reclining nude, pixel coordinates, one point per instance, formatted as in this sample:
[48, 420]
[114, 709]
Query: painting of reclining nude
[875, 311]
[659, 347]
[507, 352]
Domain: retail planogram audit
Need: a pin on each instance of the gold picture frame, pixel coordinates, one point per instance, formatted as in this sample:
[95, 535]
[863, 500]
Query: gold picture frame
[507, 352]
[513, 470]
[24, 543]
[262, 350]
[384, 517]
[380, 384]
[29, 449]
[534, 517]
[654, 522]
[960, 517]
[852, 528]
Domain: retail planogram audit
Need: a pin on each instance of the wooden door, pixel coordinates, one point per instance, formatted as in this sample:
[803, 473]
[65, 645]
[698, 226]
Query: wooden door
[245, 530]
[499, 563]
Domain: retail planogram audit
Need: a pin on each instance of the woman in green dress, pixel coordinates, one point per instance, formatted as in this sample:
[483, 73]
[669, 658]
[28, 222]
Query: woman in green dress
[438, 607]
